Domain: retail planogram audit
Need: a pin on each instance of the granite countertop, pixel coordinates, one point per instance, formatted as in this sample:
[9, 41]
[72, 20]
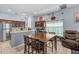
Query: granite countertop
[18, 31]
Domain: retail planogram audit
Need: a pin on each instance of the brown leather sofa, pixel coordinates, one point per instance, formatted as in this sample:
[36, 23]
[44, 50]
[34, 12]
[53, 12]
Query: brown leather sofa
[70, 39]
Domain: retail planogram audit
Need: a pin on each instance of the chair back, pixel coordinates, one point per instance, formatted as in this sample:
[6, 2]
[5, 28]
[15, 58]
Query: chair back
[26, 40]
[51, 32]
[37, 44]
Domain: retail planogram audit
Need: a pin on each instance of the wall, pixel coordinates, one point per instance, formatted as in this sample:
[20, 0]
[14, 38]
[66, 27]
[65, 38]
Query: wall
[69, 22]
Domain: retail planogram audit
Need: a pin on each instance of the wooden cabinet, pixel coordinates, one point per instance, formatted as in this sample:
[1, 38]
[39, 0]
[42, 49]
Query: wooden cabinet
[40, 25]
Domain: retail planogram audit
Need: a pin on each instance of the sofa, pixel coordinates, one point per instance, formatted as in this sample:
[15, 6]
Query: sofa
[70, 39]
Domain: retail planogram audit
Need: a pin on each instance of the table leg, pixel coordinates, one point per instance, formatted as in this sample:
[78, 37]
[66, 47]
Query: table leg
[25, 49]
[55, 43]
[28, 50]
[45, 48]
[52, 46]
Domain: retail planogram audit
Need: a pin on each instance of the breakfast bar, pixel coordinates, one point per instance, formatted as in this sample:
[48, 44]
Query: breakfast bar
[17, 37]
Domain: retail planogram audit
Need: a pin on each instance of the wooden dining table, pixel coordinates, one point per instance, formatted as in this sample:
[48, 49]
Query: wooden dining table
[44, 37]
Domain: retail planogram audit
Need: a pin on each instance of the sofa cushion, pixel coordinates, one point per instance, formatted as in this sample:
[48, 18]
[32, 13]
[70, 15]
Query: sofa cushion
[70, 36]
[70, 31]
[77, 40]
[71, 44]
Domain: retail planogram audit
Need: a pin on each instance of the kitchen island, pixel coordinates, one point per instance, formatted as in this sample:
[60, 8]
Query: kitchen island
[17, 37]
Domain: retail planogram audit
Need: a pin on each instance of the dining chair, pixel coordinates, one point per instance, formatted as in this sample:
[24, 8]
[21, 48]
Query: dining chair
[27, 44]
[37, 46]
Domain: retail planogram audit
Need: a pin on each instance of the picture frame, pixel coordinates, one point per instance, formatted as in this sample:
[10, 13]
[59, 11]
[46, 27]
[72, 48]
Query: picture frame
[77, 16]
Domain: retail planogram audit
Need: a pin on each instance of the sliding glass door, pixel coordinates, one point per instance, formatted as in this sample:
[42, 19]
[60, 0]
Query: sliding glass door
[55, 26]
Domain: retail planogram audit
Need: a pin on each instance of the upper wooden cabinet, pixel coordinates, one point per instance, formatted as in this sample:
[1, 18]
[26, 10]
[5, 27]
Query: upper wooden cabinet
[40, 25]
[13, 22]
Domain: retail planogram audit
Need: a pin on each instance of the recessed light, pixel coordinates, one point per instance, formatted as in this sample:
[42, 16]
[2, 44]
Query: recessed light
[9, 10]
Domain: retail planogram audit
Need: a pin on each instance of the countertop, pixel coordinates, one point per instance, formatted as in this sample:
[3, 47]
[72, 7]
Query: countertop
[18, 31]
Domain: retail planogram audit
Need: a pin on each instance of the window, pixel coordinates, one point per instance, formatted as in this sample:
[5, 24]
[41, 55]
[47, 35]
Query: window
[29, 23]
[56, 27]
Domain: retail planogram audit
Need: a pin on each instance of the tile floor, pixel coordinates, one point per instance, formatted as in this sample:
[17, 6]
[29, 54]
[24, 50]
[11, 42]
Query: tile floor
[5, 48]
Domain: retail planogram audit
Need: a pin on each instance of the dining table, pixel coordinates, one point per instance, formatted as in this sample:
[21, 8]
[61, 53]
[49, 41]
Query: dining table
[44, 37]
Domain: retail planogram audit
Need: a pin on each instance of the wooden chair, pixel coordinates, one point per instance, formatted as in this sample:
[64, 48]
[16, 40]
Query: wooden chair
[37, 46]
[33, 44]
[27, 44]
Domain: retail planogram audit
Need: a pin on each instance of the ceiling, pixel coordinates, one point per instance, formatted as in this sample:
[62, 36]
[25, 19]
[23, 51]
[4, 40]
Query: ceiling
[29, 9]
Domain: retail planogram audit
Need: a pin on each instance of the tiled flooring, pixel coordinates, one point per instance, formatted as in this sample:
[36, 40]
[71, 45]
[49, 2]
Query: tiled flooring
[5, 48]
